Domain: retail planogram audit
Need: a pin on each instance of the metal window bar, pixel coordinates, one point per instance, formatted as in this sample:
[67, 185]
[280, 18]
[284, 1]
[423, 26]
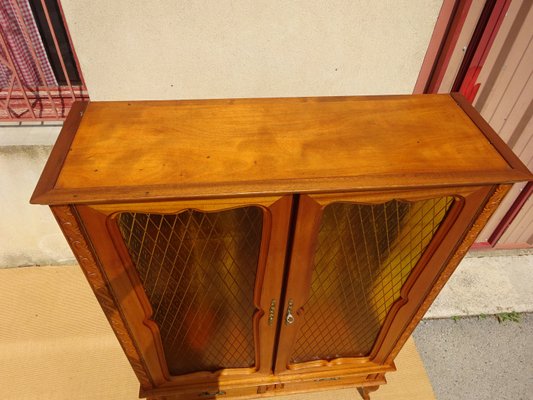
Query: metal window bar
[48, 100]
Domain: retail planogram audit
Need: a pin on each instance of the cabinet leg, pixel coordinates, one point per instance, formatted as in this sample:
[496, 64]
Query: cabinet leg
[366, 390]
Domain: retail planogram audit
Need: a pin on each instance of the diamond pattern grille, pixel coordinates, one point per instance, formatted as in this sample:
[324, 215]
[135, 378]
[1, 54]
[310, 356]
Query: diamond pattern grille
[364, 255]
[198, 271]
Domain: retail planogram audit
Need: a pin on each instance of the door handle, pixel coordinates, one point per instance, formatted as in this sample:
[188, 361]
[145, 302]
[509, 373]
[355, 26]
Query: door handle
[289, 318]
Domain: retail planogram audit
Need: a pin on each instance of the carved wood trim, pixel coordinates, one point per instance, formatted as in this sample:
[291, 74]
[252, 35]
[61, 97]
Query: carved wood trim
[66, 218]
[488, 209]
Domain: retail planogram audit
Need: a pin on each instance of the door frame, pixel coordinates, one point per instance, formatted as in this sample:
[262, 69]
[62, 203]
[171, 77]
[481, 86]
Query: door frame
[129, 301]
[432, 263]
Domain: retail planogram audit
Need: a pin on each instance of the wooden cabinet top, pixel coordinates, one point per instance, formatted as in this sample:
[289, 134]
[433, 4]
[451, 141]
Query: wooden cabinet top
[149, 150]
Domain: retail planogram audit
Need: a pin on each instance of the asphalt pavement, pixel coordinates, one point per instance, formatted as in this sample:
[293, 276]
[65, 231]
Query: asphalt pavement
[478, 358]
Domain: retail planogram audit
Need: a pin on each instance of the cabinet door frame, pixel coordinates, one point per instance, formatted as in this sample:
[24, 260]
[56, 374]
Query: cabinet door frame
[462, 215]
[126, 300]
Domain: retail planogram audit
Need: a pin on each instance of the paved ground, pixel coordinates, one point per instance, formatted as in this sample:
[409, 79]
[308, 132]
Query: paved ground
[478, 359]
[488, 282]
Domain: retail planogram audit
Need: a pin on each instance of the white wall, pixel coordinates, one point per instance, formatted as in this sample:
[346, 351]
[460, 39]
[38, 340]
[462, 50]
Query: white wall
[170, 49]
[29, 234]
[257, 48]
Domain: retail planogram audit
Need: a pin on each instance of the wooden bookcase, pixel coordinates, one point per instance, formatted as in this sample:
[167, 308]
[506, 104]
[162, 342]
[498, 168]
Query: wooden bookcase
[250, 247]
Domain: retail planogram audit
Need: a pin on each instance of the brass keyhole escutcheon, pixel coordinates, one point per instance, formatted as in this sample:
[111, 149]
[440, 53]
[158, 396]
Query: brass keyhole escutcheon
[289, 319]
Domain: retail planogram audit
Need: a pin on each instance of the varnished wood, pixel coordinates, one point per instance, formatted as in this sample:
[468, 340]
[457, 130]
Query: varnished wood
[291, 158]
[124, 282]
[377, 197]
[413, 291]
[465, 241]
[273, 387]
[299, 277]
[172, 207]
[69, 224]
[60, 150]
[268, 286]
[365, 391]
[428, 271]
[498, 143]
[223, 148]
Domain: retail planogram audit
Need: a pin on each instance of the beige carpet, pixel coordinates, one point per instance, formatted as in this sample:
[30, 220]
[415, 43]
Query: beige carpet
[55, 343]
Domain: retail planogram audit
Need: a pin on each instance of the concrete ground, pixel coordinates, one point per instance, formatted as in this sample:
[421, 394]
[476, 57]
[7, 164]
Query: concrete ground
[467, 353]
[478, 358]
[488, 283]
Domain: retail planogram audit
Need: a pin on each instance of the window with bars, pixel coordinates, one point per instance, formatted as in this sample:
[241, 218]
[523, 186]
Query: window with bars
[39, 75]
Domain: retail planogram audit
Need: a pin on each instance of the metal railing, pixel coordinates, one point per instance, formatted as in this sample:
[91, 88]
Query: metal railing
[39, 95]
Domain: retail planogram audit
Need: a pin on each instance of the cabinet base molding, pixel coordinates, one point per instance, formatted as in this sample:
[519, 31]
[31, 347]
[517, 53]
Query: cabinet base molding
[286, 383]
[363, 385]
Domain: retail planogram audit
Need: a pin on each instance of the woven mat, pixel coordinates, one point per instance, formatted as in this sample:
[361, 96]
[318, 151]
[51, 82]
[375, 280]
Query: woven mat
[55, 343]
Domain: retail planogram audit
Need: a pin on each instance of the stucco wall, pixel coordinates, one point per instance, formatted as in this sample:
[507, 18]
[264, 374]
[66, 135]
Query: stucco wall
[170, 49]
[217, 49]
[29, 235]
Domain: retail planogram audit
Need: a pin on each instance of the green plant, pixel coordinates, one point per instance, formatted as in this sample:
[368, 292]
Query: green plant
[482, 316]
[512, 316]
[456, 318]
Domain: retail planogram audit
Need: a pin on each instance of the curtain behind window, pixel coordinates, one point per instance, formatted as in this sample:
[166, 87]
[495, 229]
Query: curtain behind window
[21, 38]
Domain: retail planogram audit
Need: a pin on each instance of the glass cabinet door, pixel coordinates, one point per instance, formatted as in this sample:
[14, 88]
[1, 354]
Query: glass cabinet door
[199, 285]
[198, 271]
[359, 259]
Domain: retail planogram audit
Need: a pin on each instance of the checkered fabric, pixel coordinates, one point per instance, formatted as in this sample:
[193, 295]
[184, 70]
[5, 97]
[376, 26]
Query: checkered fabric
[21, 38]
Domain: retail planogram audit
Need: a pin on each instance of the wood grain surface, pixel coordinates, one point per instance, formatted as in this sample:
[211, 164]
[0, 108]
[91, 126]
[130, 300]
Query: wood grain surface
[150, 150]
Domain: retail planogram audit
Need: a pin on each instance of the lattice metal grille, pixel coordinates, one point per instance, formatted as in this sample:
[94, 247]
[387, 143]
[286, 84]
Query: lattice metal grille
[364, 255]
[198, 271]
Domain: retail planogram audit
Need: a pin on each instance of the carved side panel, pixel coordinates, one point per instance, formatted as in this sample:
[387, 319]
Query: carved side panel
[88, 262]
[470, 237]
